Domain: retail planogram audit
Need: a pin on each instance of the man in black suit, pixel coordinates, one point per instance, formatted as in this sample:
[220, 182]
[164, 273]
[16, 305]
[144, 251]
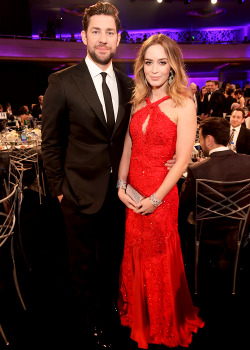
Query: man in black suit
[221, 164]
[240, 135]
[207, 97]
[82, 143]
[216, 105]
[37, 109]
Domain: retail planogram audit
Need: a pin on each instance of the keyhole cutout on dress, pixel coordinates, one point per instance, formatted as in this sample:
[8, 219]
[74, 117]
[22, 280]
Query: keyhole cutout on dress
[144, 126]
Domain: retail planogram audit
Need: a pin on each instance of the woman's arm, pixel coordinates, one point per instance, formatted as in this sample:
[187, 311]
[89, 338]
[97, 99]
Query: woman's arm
[242, 102]
[123, 171]
[186, 132]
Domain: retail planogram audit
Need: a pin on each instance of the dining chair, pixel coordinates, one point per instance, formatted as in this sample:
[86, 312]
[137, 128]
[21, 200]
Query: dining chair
[28, 156]
[223, 205]
[8, 201]
[9, 188]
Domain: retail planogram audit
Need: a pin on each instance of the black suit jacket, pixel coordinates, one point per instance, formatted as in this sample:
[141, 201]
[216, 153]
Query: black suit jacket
[78, 153]
[36, 111]
[228, 104]
[243, 141]
[217, 103]
[220, 166]
[206, 104]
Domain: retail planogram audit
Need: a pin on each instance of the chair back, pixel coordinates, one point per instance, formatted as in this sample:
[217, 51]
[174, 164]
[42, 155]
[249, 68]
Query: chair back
[9, 188]
[226, 202]
[29, 158]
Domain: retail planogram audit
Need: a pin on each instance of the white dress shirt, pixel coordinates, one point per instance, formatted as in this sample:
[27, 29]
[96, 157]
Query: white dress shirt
[236, 133]
[195, 102]
[219, 149]
[95, 73]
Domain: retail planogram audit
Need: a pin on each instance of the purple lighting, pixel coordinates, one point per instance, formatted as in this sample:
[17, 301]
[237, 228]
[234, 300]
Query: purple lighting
[223, 65]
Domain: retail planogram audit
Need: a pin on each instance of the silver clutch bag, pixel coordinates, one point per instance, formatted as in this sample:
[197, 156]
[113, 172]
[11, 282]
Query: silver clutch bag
[133, 194]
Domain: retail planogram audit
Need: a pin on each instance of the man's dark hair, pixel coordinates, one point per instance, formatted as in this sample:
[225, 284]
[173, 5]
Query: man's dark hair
[216, 82]
[217, 127]
[101, 8]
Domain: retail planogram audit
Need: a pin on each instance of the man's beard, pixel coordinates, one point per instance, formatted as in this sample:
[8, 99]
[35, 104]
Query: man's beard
[205, 151]
[101, 60]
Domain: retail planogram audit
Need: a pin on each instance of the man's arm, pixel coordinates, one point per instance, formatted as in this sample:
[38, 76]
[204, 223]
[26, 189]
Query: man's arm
[54, 133]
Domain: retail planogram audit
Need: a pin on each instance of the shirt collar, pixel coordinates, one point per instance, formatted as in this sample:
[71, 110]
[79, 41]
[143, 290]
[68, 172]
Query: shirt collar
[219, 149]
[94, 70]
[237, 128]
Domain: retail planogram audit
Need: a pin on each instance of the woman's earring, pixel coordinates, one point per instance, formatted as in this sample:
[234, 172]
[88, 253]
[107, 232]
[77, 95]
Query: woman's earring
[146, 82]
[171, 76]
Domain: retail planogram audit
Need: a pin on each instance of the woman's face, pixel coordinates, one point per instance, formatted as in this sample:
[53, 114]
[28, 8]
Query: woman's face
[156, 66]
[204, 90]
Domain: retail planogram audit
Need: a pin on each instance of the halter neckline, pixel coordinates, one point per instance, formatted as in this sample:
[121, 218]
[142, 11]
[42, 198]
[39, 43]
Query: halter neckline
[149, 103]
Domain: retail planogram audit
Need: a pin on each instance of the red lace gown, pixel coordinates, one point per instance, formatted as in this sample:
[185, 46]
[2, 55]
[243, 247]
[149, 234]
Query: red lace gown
[154, 301]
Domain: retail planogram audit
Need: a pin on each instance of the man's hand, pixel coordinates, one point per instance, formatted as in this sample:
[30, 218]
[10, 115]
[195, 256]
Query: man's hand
[171, 162]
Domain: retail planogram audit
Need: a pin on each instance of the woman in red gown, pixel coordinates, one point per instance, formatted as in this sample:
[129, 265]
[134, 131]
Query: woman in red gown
[155, 301]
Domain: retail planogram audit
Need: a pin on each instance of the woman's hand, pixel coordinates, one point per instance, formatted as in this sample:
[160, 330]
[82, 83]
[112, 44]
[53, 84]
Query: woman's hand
[145, 207]
[126, 199]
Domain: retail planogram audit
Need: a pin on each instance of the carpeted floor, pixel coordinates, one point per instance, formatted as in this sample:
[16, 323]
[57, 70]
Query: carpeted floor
[43, 279]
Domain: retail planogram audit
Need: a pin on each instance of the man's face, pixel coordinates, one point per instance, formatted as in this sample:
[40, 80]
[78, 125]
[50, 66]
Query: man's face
[193, 89]
[213, 87]
[236, 119]
[101, 39]
[208, 86]
[203, 144]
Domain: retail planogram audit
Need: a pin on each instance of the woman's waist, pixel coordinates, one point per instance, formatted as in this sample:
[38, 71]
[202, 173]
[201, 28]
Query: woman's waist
[149, 163]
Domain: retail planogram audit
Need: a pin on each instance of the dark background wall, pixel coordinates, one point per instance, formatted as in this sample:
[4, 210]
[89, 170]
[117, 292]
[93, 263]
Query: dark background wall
[15, 18]
[22, 83]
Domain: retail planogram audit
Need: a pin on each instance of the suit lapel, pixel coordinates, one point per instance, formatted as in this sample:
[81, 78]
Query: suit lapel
[85, 84]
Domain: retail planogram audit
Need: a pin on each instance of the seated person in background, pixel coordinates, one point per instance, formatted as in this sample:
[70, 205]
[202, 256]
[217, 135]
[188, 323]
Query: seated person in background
[3, 121]
[9, 112]
[239, 134]
[222, 164]
[25, 116]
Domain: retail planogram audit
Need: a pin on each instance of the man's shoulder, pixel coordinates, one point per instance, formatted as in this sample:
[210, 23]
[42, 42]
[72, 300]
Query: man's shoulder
[220, 160]
[69, 70]
[245, 130]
